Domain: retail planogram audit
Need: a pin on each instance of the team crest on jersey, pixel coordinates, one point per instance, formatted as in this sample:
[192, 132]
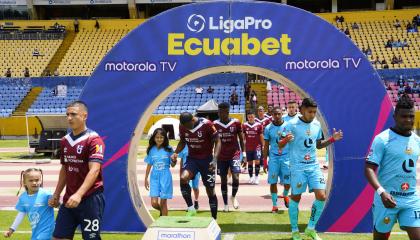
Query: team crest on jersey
[65, 149]
[408, 150]
[299, 185]
[307, 157]
[79, 149]
[232, 129]
[186, 134]
[308, 132]
[405, 186]
[387, 220]
[200, 133]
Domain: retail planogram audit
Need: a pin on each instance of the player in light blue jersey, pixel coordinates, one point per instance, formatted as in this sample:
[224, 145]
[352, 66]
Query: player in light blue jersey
[292, 111]
[303, 136]
[194, 183]
[159, 159]
[278, 164]
[34, 203]
[393, 154]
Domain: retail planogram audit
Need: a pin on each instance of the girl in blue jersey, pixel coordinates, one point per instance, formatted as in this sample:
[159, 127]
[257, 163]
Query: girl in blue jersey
[34, 203]
[158, 158]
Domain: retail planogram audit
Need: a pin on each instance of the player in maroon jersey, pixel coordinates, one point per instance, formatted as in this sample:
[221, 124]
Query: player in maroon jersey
[269, 112]
[203, 143]
[230, 131]
[82, 153]
[261, 118]
[254, 139]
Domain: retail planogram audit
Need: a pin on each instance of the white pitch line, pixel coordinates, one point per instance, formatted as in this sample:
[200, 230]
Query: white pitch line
[229, 236]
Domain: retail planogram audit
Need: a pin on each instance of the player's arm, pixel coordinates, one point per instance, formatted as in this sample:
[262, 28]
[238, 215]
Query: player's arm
[262, 141]
[217, 143]
[372, 162]
[265, 154]
[76, 198]
[322, 143]
[242, 144]
[54, 200]
[181, 145]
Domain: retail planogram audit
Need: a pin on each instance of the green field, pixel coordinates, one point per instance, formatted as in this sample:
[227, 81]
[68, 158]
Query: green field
[13, 143]
[243, 225]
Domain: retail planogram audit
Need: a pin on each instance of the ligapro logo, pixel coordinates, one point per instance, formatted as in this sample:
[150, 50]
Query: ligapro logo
[196, 23]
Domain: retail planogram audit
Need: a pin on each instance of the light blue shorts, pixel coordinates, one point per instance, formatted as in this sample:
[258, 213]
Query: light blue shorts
[161, 184]
[278, 170]
[407, 212]
[301, 179]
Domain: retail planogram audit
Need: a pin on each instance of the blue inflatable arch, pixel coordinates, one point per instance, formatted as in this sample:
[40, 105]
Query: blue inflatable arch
[194, 40]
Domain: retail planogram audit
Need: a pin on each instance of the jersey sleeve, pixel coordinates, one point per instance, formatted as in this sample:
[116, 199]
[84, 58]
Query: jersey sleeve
[96, 150]
[376, 152]
[19, 205]
[148, 159]
[320, 135]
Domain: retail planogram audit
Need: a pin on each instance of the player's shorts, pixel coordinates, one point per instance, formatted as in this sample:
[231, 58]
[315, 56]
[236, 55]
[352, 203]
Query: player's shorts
[201, 166]
[223, 166]
[161, 184]
[301, 179]
[253, 155]
[407, 212]
[195, 183]
[278, 170]
[88, 215]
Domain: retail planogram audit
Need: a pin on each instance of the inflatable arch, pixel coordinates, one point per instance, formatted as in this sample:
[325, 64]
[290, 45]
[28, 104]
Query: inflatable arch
[284, 43]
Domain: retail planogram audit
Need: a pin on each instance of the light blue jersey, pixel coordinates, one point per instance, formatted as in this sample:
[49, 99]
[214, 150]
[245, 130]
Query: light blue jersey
[287, 117]
[160, 177]
[41, 216]
[302, 150]
[194, 183]
[396, 157]
[273, 134]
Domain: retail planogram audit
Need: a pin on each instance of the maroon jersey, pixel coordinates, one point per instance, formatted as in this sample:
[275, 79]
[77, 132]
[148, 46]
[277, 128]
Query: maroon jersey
[229, 137]
[199, 139]
[252, 136]
[269, 117]
[264, 122]
[77, 152]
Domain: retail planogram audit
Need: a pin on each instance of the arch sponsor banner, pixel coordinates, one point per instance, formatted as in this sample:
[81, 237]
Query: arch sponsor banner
[286, 44]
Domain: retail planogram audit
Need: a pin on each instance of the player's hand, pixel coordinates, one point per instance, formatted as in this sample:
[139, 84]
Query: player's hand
[337, 135]
[54, 201]
[388, 200]
[146, 184]
[173, 162]
[74, 201]
[8, 233]
[212, 165]
[174, 157]
[289, 137]
[244, 162]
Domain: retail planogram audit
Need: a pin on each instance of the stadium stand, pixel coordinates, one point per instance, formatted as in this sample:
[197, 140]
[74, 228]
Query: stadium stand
[11, 95]
[18, 54]
[373, 31]
[87, 50]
